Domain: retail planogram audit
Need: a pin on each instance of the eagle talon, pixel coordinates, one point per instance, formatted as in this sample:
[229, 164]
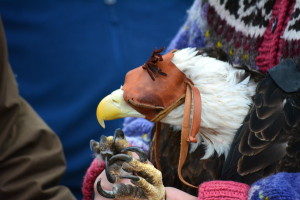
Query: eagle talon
[118, 134]
[104, 193]
[145, 178]
[111, 178]
[131, 177]
[120, 157]
[94, 145]
[142, 155]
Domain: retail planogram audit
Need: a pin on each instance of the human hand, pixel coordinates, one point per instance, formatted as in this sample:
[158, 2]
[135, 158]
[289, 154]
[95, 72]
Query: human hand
[176, 194]
[106, 185]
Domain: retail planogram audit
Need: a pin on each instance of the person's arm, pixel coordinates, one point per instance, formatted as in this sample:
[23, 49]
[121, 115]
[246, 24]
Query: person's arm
[31, 158]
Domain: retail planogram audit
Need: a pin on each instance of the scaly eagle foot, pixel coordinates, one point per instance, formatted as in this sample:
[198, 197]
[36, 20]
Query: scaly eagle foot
[106, 148]
[122, 191]
[113, 145]
[113, 168]
[146, 180]
[140, 152]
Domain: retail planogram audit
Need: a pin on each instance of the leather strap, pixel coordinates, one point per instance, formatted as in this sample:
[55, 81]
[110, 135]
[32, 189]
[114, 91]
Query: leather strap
[196, 120]
[156, 145]
[188, 132]
[190, 127]
[162, 114]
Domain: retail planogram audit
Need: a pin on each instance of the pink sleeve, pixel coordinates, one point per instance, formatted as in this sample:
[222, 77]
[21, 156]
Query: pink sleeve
[228, 190]
[90, 177]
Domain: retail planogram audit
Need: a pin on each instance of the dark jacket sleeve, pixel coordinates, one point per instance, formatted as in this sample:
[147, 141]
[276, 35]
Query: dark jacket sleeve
[31, 156]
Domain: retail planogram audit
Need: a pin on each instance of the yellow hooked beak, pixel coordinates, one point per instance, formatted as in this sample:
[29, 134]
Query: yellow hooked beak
[113, 106]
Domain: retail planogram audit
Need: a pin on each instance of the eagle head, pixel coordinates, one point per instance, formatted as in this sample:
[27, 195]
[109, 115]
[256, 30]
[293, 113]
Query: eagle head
[157, 91]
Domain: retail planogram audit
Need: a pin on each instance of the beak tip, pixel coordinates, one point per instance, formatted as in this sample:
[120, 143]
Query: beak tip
[102, 124]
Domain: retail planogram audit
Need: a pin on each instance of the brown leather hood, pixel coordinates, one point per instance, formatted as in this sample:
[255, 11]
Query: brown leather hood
[155, 89]
[157, 94]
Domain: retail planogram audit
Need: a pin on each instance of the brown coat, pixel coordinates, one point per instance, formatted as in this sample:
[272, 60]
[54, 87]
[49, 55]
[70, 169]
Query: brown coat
[31, 156]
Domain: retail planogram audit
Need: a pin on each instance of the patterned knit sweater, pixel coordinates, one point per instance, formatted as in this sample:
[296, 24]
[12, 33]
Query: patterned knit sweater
[257, 33]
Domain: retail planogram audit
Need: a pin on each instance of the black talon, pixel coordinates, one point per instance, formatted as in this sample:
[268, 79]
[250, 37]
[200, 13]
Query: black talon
[109, 176]
[104, 193]
[93, 143]
[106, 154]
[103, 139]
[131, 177]
[142, 155]
[118, 134]
[120, 157]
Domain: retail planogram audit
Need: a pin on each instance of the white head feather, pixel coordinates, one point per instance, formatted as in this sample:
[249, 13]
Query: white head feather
[225, 99]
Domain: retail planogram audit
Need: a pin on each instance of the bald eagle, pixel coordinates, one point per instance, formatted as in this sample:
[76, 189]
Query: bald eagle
[248, 123]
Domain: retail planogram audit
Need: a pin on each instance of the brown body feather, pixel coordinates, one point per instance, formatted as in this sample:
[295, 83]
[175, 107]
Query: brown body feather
[195, 171]
[269, 139]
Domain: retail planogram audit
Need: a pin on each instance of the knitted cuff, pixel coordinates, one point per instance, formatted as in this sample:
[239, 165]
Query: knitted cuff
[228, 190]
[90, 177]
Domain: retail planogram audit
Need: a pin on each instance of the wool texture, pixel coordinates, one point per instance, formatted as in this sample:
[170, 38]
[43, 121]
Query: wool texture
[279, 186]
[137, 131]
[90, 177]
[257, 34]
[228, 190]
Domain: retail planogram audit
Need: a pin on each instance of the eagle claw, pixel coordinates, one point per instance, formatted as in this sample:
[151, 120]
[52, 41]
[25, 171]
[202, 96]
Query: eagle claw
[146, 180]
[142, 155]
[117, 154]
[114, 145]
[131, 177]
[119, 157]
[104, 193]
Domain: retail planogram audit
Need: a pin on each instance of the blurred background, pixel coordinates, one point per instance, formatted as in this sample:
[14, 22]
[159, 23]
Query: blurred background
[68, 54]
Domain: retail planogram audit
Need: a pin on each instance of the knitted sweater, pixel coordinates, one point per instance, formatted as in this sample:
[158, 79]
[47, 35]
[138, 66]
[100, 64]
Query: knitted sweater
[258, 34]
